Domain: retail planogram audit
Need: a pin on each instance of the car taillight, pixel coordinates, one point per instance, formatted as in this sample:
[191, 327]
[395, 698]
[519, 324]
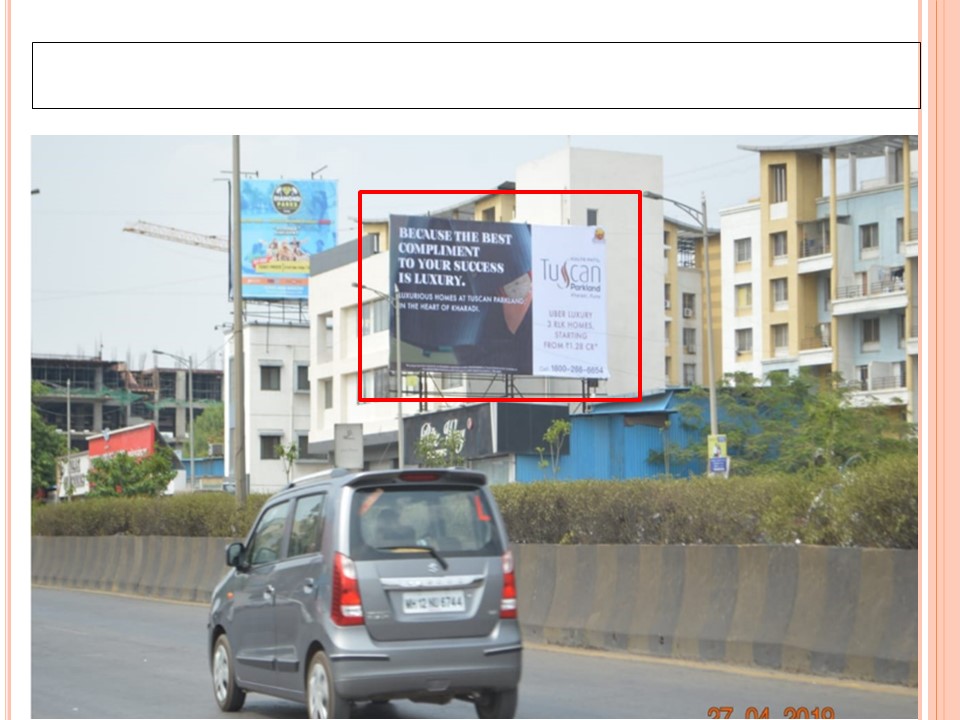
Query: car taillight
[346, 608]
[508, 601]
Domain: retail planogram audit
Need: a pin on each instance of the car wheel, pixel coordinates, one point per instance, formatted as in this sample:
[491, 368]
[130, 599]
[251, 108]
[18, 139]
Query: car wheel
[230, 696]
[501, 704]
[322, 698]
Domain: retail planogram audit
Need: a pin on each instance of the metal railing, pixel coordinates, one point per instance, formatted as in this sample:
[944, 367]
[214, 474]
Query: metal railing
[881, 287]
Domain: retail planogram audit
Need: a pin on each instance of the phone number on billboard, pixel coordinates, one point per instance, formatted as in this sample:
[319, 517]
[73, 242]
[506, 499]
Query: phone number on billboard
[576, 369]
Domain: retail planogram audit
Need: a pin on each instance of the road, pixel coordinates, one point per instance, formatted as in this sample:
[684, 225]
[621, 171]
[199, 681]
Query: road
[97, 655]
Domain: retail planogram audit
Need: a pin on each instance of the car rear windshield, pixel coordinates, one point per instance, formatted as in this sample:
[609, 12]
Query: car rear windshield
[451, 520]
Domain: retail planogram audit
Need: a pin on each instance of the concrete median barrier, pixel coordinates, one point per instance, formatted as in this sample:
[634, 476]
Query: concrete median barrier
[843, 612]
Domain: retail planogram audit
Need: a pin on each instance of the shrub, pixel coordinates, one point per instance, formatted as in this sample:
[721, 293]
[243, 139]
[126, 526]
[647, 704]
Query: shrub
[192, 515]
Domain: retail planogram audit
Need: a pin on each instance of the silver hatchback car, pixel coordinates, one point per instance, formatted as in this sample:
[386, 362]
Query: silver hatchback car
[368, 587]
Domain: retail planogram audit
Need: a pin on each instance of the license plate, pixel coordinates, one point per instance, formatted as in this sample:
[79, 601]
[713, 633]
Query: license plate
[436, 601]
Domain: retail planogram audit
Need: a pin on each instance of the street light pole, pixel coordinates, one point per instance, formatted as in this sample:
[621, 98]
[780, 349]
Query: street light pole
[701, 217]
[395, 302]
[189, 363]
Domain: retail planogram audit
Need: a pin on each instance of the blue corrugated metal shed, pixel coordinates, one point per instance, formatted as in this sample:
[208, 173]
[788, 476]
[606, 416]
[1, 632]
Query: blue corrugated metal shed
[606, 445]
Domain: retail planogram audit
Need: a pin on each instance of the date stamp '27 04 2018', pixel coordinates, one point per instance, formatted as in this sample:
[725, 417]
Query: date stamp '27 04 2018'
[763, 713]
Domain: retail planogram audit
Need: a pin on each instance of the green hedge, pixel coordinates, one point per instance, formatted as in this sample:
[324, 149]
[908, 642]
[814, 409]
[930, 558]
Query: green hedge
[192, 515]
[872, 505]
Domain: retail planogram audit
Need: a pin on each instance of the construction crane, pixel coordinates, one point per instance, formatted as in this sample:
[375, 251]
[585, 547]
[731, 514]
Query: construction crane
[210, 242]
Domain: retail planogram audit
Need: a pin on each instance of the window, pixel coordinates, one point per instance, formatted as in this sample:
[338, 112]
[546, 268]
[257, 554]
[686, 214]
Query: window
[303, 378]
[307, 530]
[376, 383]
[686, 253]
[267, 539]
[324, 338]
[268, 446]
[689, 374]
[303, 445]
[870, 334]
[489, 214]
[666, 334]
[269, 377]
[666, 296]
[452, 519]
[690, 340]
[592, 216]
[689, 305]
[778, 290]
[328, 394]
[744, 340]
[869, 240]
[778, 245]
[666, 368]
[781, 337]
[902, 330]
[376, 316]
[778, 183]
[899, 231]
[744, 296]
[743, 249]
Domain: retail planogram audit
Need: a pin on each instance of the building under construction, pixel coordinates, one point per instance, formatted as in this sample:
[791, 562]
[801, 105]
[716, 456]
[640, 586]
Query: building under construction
[87, 395]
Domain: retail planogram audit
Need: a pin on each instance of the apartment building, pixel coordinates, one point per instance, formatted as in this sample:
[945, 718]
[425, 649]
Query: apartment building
[685, 304]
[821, 271]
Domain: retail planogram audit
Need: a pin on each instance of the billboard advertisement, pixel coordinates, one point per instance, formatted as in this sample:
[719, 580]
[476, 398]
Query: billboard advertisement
[465, 293]
[283, 223]
[501, 297]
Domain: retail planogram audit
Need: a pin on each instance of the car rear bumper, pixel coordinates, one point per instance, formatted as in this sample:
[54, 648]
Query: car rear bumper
[427, 670]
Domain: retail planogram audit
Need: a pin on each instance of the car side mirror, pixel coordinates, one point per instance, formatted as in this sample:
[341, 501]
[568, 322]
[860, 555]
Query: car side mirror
[234, 554]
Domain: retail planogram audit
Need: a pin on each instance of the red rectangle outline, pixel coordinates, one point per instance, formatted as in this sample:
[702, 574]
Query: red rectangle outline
[483, 193]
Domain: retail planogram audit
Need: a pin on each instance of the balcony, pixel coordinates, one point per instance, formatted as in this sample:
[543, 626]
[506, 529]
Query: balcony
[909, 247]
[814, 247]
[815, 346]
[887, 294]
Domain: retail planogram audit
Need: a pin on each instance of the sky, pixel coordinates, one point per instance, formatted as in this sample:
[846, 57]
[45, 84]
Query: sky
[97, 289]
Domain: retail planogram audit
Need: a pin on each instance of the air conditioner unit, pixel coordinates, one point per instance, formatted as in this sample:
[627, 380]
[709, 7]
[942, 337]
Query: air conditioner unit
[688, 312]
[691, 349]
[666, 304]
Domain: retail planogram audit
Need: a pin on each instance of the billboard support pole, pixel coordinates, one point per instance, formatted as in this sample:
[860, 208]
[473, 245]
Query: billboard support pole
[400, 439]
[239, 413]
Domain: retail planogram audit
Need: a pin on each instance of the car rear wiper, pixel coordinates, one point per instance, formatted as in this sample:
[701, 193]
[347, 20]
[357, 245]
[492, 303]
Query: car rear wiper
[421, 548]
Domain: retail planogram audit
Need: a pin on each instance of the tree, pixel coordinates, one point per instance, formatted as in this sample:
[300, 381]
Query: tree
[47, 444]
[554, 436]
[124, 476]
[435, 450]
[790, 424]
[289, 454]
[207, 429]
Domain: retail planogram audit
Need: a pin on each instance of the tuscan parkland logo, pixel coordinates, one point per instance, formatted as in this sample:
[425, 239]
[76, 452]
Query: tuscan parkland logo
[577, 274]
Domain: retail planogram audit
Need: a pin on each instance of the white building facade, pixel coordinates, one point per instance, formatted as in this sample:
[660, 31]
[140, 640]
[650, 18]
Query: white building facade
[277, 403]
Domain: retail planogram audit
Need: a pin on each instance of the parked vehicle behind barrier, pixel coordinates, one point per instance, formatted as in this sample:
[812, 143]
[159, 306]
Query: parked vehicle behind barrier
[372, 586]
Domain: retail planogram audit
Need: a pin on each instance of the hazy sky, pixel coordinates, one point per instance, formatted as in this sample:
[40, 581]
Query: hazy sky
[94, 285]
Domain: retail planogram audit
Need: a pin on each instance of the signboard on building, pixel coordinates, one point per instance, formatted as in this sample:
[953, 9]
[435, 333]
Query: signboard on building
[473, 421]
[502, 297]
[137, 441]
[348, 445]
[283, 223]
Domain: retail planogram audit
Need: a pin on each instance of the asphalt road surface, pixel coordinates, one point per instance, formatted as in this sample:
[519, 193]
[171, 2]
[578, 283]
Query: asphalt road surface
[97, 655]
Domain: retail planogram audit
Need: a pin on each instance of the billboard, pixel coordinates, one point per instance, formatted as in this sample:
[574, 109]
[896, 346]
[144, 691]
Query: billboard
[283, 223]
[502, 297]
